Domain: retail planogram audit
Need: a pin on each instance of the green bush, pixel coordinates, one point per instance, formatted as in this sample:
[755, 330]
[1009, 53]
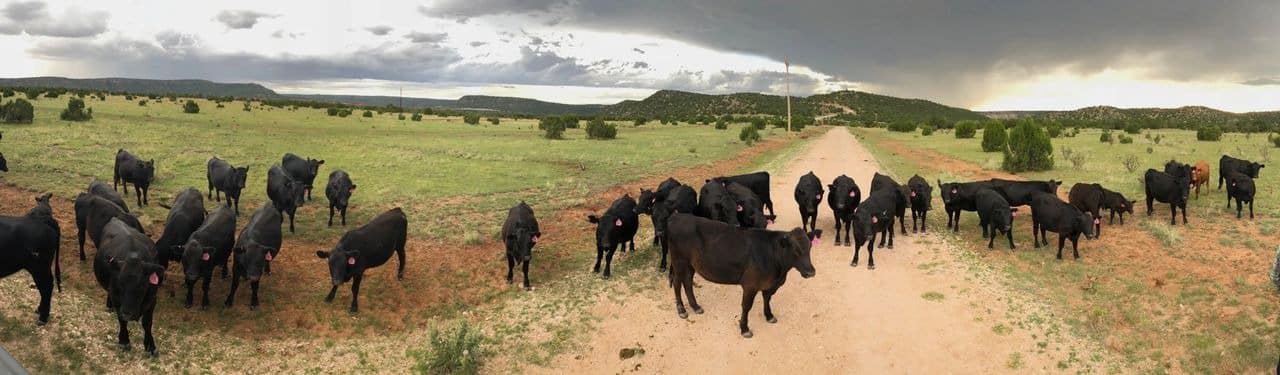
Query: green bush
[1105, 137]
[400, 117]
[721, 125]
[471, 119]
[966, 129]
[493, 120]
[76, 111]
[456, 352]
[552, 126]
[416, 117]
[1132, 128]
[9, 92]
[758, 123]
[247, 109]
[902, 126]
[994, 137]
[569, 121]
[640, 121]
[367, 113]
[749, 134]
[1054, 130]
[32, 94]
[221, 106]
[332, 111]
[191, 107]
[1209, 133]
[341, 113]
[1124, 139]
[142, 103]
[1029, 149]
[18, 111]
[598, 129]
[926, 130]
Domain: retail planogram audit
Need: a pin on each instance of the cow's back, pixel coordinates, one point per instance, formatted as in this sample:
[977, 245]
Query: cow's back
[714, 249]
[379, 238]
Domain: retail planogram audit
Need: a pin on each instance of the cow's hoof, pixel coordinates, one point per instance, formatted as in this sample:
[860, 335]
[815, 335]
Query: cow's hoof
[606, 276]
[683, 314]
[204, 307]
[185, 305]
[871, 266]
[746, 334]
[853, 263]
[253, 307]
[847, 244]
[124, 347]
[528, 288]
[697, 309]
[153, 352]
[890, 246]
[353, 311]
[41, 322]
[771, 320]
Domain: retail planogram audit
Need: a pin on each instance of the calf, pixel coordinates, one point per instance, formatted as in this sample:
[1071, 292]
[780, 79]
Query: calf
[1117, 204]
[1048, 213]
[125, 266]
[994, 214]
[101, 189]
[31, 242]
[716, 203]
[339, 192]
[957, 197]
[304, 170]
[758, 183]
[649, 198]
[286, 193]
[1227, 165]
[1020, 193]
[843, 200]
[1165, 188]
[921, 201]
[131, 169]
[874, 216]
[808, 195]
[1241, 188]
[93, 213]
[225, 178]
[366, 247]
[756, 259]
[750, 209]
[209, 246]
[901, 200]
[257, 246]
[1200, 175]
[616, 227]
[1090, 198]
[681, 199]
[520, 232]
[185, 217]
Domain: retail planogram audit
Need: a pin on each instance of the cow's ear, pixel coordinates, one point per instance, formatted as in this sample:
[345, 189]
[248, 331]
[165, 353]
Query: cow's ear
[593, 219]
[321, 162]
[353, 187]
[322, 254]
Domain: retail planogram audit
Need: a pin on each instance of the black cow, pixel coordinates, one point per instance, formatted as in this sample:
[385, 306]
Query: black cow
[185, 217]
[4, 164]
[31, 242]
[1020, 193]
[339, 192]
[615, 228]
[225, 178]
[1117, 204]
[93, 213]
[716, 203]
[304, 170]
[1227, 165]
[750, 209]
[1241, 188]
[1090, 198]
[960, 196]
[756, 259]
[921, 196]
[808, 196]
[366, 247]
[1176, 169]
[1165, 188]
[901, 201]
[995, 215]
[681, 199]
[758, 183]
[209, 246]
[520, 232]
[101, 189]
[844, 198]
[125, 266]
[1048, 213]
[874, 216]
[131, 169]
[649, 198]
[286, 193]
[257, 246]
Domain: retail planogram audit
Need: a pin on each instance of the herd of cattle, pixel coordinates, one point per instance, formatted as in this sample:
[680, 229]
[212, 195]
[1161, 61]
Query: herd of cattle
[130, 267]
[719, 232]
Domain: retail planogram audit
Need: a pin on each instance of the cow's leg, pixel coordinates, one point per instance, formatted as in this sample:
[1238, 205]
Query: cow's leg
[44, 283]
[848, 227]
[355, 293]
[990, 242]
[1062, 238]
[1097, 225]
[748, 298]
[253, 298]
[924, 221]
[663, 248]
[138, 190]
[332, 292]
[235, 284]
[210, 194]
[204, 299]
[331, 214]
[1035, 232]
[1112, 220]
[768, 309]
[1220, 178]
[688, 290]
[291, 221]
[1239, 207]
[1173, 209]
[677, 279]
[191, 285]
[633, 244]
[957, 228]
[1250, 209]
[856, 249]
[1149, 199]
[1009, 234]
[511, 266]
[237, 205]
[525, 268]
[1122, 218]
[837, 231]
[599, 256]
[148, 341]
[891, 232]
[871, 255]
[122, 337]
[608, 259]
[80, 240]
[902, 223]
[1075, 248]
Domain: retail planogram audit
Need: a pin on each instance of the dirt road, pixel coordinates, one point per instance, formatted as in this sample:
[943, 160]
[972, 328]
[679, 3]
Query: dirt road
[844, 320]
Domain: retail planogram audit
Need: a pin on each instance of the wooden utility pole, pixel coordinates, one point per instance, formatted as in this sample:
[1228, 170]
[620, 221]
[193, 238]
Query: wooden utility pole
[787, 62]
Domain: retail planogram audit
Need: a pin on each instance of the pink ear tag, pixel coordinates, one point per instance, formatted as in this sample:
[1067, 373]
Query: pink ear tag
[913, 194]
[534, 239]
[818, 196]
[351, 261]
[154, 279]
[739, 208]
[851, 193]
[875, 220]
[1013, 213]
[617, 222]
[1096, 221]
[816, 241]
[268, 256]
[953, 191]
[770, 222]
[204, 256]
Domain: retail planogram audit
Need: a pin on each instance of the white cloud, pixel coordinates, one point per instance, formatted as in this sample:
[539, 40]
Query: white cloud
[241, 19]
[33, 18]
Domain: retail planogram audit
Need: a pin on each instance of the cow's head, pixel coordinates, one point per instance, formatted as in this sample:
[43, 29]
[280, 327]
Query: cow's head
[920, 192]
[1053, 186]
[646, 202]
[605, 224]
[661, 212]
[797, 245]
[1083, 222]
[750, 213]
[42, 207]
[313, 167]
[843, 194]
[341, 196]
[1184, 187]
[948, 191]
[343, 264]
[4, 165]
[133, 285]
[239, 177]
[1252, 169]
[296, 190]
[147, 170]
[522, 239]
[254, 258]
[197, 260]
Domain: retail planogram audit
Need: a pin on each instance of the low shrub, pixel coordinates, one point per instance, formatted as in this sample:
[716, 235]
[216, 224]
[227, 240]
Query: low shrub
[749, 134]
[18, 111]
[458, 351]
[471, 119]
[553, 127]
[367, 113]
[902, 126]
[926, 130]
[1211, 133]
[1029, 149]
[598, 129]
[76, 111]
[994, 137]
[190, 107]
[966, 129]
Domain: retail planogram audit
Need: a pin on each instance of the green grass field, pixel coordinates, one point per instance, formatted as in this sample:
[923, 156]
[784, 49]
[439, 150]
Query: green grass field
[450, 177]
[1168, 298]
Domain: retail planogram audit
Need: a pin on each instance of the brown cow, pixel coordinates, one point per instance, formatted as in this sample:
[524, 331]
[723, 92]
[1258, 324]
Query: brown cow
[1200, 175]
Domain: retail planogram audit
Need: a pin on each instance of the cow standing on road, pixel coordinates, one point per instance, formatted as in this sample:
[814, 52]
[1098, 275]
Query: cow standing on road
[368, 246]
[843, 199]
[758, 183]
[901, 201]
[873, 216]
[615, 228]
[808, 194]
[921, 201]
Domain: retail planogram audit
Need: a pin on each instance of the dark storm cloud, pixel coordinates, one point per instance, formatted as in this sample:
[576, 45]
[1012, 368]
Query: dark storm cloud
[421, 37]
[640, 65]
[241, 19]
[33, 18]
[1265, 81]
[946, 49]
[379, 30]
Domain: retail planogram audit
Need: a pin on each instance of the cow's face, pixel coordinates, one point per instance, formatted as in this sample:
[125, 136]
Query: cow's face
[4, 165]
[605, 225]
[1252, 169]
[949, 191]
[197, 260]
[343, 264]
[1004, 218]
[751, 214]
[646, 202]
[1085, 224]
[148, 170]
[254, 258]
[920, 192]
[240, 176]
[799, 244]
[296, 190]
[313, 166]
[522, 241]
[1184, 187]
[661, 212]
[133, 284]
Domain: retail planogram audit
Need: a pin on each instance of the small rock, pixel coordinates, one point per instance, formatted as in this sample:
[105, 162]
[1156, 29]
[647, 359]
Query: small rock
[628, 353]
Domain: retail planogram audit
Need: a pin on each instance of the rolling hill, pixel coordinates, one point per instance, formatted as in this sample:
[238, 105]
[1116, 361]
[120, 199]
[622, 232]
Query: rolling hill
[845, 105]
[190, 87]
[1180, 115]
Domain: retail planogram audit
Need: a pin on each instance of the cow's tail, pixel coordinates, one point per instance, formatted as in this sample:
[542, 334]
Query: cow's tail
[57, 265]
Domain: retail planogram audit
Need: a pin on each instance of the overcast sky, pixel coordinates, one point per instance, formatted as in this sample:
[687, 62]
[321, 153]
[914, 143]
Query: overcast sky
[979, 54]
